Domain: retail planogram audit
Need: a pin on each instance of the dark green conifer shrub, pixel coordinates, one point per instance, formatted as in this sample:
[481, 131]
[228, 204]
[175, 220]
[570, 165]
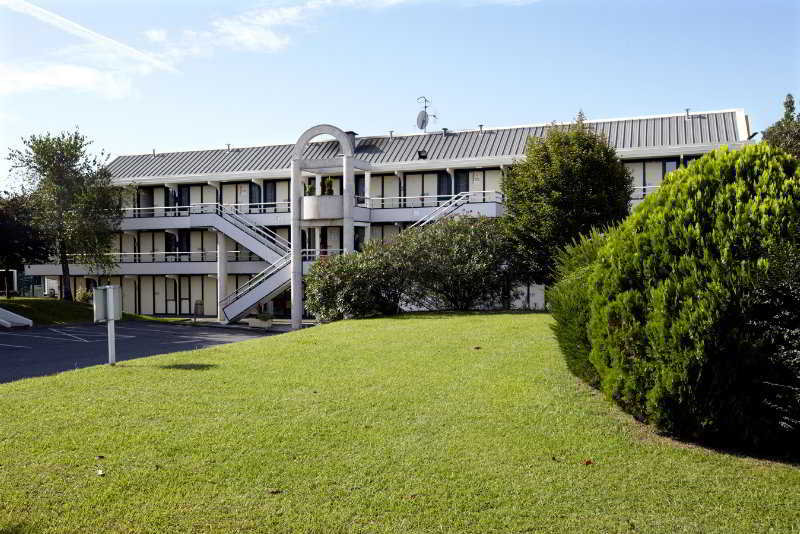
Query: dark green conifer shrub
[569, 299]
[673, 287]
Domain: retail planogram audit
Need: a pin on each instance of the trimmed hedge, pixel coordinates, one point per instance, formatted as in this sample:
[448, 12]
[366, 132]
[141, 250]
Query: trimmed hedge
[668, 324]
[362, 284]
[568, 301]
[459, 263]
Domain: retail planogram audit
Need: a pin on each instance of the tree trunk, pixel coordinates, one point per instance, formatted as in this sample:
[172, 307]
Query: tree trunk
[66, 290]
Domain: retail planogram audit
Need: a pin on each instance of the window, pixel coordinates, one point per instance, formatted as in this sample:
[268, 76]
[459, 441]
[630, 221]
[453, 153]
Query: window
[669, 166]
[462, 182]
[360, 185]
[444, 186]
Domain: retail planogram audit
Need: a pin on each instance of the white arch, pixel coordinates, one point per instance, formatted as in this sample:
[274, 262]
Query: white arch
[345, 143]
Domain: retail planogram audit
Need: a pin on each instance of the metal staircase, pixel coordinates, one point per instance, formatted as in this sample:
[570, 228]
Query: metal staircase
[231, 222]
[265, 284]
[268, 245]
[443, 210]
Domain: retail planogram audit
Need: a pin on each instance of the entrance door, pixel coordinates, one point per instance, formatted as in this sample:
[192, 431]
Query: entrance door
[172, 294]
[185, 295]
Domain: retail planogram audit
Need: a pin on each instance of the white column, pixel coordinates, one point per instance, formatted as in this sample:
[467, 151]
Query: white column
[296, 199]
[317, 184]
[367, 188]
[452, 174]
[317, 238]
[222, 274]
[348, 197]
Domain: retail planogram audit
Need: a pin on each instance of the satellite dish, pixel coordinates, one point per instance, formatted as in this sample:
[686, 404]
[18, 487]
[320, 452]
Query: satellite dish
[422, 120]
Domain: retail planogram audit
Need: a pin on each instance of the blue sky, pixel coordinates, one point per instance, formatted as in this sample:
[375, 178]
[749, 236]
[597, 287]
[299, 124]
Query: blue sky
[180, 74]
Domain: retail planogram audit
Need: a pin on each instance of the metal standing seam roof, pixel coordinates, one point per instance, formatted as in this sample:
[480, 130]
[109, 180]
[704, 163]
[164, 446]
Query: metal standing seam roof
[639, 133]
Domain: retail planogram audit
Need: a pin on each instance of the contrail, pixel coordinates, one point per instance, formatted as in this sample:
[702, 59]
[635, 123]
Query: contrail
[48, 17]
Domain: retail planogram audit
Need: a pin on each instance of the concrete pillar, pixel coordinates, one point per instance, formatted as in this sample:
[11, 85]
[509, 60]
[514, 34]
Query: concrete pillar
[367, 233]
[296, 199]
[317, 238]
[317, 184]
[348, 197]
[222, 274]
[367, 188]
[452, 174]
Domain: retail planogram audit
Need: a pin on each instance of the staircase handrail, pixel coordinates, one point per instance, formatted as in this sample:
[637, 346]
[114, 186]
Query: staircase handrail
[257, 279]
[444, 209]
[235, 217]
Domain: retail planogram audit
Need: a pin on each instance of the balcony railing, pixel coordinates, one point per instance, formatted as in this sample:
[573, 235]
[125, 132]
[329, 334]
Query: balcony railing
[428, 201]
[205, 207]
[172, 257]
[313, 254]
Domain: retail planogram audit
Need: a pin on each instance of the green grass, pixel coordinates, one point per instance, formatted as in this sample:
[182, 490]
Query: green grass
[427, 423]
[47, 311]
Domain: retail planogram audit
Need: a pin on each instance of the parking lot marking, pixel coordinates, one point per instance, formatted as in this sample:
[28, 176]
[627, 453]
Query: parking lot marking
[14, 346]
[68, 334]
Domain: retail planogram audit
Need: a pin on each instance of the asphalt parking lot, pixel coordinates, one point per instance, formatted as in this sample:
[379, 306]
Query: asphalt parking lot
[46, 350]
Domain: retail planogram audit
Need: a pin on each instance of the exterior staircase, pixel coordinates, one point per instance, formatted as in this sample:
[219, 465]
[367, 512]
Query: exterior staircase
[443, 210]
[231, 222]
[274, 249]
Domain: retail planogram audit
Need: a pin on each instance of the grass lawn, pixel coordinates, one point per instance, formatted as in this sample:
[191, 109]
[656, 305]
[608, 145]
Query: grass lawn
[46, 311]
[428, 423]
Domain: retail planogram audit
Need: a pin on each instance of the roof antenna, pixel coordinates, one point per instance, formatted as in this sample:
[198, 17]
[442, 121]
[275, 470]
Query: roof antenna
[423, 116]
[229, 146]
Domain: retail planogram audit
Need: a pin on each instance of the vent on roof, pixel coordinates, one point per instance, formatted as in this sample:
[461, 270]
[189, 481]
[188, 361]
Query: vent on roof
[444, 132]
[422, 154]
[480, 127]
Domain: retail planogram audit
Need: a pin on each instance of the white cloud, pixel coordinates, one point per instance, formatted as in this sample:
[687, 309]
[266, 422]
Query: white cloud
[156, 35]
[240, 34]
[109, 67]
[48, 76]
[76, 29]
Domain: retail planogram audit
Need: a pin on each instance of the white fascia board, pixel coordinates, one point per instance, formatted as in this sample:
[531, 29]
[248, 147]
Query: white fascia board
[741, 125]
[656, 152]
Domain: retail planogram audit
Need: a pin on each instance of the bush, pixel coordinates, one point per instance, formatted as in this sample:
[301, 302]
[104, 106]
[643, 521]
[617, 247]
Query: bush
[83, 295]
[569, 300]
[668, 323]
[359, 284]
[458, 263]
[773, 320]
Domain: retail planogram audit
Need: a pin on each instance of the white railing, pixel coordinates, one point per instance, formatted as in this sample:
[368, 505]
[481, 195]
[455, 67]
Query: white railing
[256, 280]
[205, 207]
[160, 256]
[641, 191]
[443, 210]
[430, 201]
[313, 254]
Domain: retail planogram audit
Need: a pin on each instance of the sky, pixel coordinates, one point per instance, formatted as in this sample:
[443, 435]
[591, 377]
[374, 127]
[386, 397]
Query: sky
[177, 75]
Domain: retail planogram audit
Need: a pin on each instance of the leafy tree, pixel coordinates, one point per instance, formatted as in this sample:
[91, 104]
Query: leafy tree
[785, 133]
[20, 241]
[458, 263]
[75, 205]
[568, 183]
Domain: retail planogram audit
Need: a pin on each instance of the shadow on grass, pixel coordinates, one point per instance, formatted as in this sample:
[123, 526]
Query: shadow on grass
[17, 529]
[189, 366]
